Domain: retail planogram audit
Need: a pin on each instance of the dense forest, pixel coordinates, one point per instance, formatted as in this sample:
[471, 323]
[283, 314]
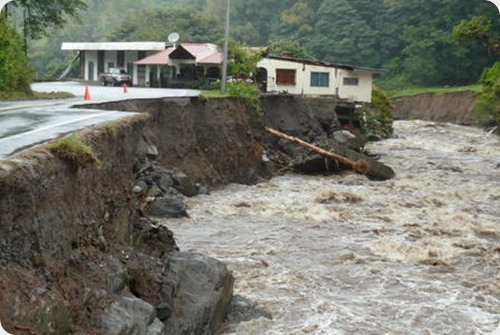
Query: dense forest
[412, 39]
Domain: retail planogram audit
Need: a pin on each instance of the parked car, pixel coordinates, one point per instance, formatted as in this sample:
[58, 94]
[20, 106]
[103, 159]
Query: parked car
[115, 76]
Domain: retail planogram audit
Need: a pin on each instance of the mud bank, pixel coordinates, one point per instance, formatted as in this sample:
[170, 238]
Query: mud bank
[449, 107]
[77, 256]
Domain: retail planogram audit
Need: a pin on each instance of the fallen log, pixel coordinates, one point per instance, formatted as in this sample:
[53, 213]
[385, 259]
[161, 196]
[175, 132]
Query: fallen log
[359, 163]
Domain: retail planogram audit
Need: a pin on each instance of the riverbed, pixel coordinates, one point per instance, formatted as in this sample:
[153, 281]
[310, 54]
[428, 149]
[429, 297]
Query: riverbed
[341, 254]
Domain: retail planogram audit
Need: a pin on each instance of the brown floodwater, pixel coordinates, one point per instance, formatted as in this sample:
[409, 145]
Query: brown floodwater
[340, 254]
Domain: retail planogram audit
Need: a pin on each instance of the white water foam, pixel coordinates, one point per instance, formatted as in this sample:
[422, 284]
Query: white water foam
[419, 254]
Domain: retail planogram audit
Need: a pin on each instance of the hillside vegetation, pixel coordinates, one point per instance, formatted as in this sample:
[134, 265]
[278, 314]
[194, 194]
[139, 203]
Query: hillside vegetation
[413, 40]
[421, 43]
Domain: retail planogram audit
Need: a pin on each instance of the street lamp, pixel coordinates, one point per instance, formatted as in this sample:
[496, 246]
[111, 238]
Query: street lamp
[226, 41]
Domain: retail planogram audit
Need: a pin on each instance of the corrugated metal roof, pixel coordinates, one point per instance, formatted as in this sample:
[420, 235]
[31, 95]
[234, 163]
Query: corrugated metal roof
[159, 58]
[123, 46]
[354, 68]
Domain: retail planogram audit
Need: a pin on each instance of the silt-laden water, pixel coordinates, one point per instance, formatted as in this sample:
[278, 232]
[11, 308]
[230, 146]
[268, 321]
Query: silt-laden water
[340, 254]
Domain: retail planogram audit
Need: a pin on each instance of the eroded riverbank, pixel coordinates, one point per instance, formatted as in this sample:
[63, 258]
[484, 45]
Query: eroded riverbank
[419, 254]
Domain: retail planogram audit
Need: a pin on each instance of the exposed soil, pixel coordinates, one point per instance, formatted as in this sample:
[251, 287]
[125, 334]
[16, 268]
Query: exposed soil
[449, 107]
[72, 238]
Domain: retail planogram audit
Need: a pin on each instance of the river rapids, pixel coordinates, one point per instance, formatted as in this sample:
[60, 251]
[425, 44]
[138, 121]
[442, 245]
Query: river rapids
[340, 254]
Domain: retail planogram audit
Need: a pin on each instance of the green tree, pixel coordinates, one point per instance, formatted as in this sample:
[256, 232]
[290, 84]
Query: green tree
[41, 15]
[378, 114]
[243, 60]
[192, 26]
[297, 21]
[15, 72]
[479, 28]
[487, 108]
[292, 46]
[342, 36]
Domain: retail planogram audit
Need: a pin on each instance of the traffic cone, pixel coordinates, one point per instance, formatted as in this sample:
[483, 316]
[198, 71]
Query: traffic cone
[87, 93]
[125, 88]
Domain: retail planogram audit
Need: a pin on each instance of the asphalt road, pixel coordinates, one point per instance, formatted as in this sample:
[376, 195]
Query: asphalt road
[24, 124]
[109, 93]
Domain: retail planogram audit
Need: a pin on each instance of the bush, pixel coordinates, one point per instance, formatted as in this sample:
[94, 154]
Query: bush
[248, 91]
[487, 108]
[378, 114]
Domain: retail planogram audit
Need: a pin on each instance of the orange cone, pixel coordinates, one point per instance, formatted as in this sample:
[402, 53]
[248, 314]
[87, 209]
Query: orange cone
[125, 88]
[87, 93]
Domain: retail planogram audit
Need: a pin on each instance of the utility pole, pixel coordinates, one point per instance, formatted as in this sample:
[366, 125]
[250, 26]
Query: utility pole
[226, 42]
[25, 30]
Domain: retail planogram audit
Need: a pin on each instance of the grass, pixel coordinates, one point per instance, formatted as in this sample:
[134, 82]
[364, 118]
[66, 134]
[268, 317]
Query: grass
[18, 96]
[396, 93]
[72, 149]
[210, 94]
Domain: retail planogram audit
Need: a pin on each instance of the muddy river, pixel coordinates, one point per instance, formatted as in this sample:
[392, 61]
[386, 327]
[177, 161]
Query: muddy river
[340, 254]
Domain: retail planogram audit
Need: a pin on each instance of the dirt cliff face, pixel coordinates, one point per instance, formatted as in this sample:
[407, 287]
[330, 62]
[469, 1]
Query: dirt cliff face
[213, 141]
[449, 107]
[72, 239]
[74, 245]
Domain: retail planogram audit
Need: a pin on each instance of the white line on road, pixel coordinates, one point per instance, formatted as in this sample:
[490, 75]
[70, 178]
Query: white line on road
[52, 126]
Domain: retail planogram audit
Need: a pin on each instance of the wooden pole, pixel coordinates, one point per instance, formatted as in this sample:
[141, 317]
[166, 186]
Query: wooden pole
[360, 166]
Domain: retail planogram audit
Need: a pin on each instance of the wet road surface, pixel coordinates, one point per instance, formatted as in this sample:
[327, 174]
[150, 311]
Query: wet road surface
[24, 124]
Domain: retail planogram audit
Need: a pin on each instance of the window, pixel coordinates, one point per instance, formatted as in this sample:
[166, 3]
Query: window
[349, 81]
[320, 79]
[285, 77]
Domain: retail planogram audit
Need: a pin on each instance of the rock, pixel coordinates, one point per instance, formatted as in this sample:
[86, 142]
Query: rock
[310, 162]
[164, 310]
[163, 179]
[151, 239]
[203, 292]
[146, 148]
[374, 137]
[154, 191]
[117, 281]
[184, 184]
[242, 309]
[140, 187]
[351, 139]
[156, 328]
[202, 189]
[169, 206]
[51, 318]
[130, 315]
[343, 136]
[142, 167]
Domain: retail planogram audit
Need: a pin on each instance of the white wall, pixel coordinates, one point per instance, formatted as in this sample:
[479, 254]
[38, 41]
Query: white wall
[90, 56]
[359, 93]
[111, 56]
[362, 92]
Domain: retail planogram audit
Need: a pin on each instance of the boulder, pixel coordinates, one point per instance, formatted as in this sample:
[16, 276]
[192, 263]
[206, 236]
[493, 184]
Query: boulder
[203, 292]
[184, 184]
[131, 315]
[169, 206]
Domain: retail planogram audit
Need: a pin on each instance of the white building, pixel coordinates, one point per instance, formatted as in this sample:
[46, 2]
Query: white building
[316, 78]
[155, 64]
[97, 57]
[182, 65]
